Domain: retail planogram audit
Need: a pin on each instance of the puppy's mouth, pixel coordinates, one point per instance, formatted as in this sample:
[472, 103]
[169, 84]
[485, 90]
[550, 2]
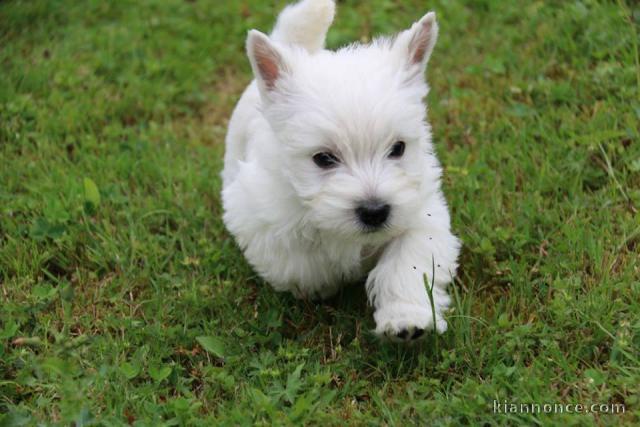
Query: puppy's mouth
[375, 232]
[379, 229]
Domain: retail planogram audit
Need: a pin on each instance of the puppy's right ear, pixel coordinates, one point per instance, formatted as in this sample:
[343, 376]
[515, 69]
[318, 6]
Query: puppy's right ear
[416, 44]
[267, 61]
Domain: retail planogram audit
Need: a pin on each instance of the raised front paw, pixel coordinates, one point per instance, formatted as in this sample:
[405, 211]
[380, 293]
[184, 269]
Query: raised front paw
[406, 322]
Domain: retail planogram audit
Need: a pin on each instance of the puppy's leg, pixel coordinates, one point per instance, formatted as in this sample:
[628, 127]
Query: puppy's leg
[396, 288]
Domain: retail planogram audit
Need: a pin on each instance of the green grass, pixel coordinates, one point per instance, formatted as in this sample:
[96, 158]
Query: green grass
[114, 261]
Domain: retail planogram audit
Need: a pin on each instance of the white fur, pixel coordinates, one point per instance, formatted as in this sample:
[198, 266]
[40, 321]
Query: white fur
[296, 222]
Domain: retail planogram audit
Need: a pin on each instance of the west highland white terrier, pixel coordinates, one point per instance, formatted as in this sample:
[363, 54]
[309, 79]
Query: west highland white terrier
[330, 175]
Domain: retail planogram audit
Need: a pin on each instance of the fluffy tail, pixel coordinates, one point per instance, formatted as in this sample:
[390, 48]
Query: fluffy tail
[305, 24]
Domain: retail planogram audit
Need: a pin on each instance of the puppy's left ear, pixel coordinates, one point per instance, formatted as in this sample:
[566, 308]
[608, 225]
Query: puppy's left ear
[267, 61]
[416, 44]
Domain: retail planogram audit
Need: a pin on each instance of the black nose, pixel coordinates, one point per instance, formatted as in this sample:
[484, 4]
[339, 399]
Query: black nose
[373, 213]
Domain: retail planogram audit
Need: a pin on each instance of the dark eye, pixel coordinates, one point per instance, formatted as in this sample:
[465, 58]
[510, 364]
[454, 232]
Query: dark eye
[397, 150]
[325, 160]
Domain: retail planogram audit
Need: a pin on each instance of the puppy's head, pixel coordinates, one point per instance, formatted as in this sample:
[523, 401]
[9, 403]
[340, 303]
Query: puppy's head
[351, 127]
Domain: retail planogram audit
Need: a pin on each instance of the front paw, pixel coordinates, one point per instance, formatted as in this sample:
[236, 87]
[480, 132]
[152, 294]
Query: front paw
[406, 322]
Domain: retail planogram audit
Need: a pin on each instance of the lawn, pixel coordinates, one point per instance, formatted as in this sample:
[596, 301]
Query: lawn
[124, 300]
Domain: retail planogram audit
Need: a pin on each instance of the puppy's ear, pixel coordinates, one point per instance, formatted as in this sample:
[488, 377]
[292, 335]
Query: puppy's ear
[416, 44]
[267, 61]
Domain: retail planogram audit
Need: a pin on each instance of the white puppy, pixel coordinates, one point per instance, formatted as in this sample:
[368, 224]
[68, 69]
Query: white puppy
[330, 174]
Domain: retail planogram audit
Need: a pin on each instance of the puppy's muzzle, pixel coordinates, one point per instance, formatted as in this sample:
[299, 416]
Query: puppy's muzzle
[373, 213]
